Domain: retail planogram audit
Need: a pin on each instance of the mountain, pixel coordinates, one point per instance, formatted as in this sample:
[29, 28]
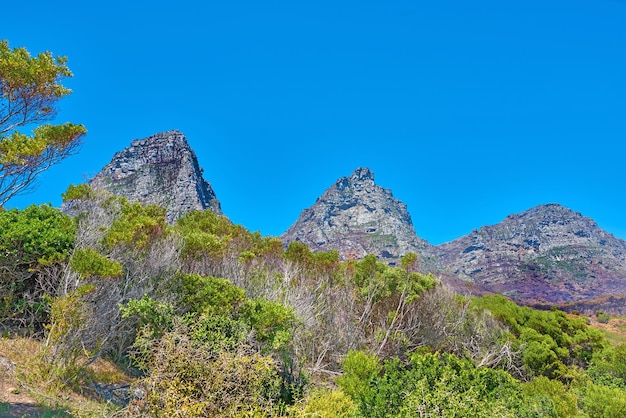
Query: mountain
[547, 254]
[357, 217]
[161, 169]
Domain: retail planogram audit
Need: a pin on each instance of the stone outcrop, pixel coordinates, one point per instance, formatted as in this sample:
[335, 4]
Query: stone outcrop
[357, 217]
[161, 169]
[547, 254]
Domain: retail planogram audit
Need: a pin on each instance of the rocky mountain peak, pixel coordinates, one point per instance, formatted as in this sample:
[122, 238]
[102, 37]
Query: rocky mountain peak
[161, 169]
[548, 253]
[357, 217]
[362, 174]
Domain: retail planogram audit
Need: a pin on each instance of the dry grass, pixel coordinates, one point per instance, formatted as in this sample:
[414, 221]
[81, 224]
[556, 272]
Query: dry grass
[19, 351]
[18, 390]
[614, 330]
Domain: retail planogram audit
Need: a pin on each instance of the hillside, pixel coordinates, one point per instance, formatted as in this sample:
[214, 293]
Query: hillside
[547, 254]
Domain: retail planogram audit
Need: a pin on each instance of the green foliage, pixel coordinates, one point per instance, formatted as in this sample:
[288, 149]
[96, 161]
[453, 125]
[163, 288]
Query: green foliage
[60, 360]
[243, 340]
[78, 191]
[215, 321]
[206, 233]
[211, 295]
[443, 385]
[326, 403]
[157, 316]
[608, 367]
[410, 261]
[217, 332]
[88, 262]
[298, 252]
[377, 281]
[29, 89]
[552, 341]
[154, 318]
[551, 397]
[39, 75]
[38, 234]
[359, 369]
[603, 401]
[18, 149]
[199, 243]
[603, 317]
[272, 322]
[136, 225]
[206, 221]
[33, 243]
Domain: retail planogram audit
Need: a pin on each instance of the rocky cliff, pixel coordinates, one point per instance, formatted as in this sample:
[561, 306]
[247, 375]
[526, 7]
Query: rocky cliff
[357, 217]
[161, 169]
[547, 254]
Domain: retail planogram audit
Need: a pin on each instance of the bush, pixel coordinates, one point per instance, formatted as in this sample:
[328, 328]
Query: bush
[34, 244]
[435, 385]
[603, 317]
[187, 380]
[326, 403]
[551, 341]
[603, 401]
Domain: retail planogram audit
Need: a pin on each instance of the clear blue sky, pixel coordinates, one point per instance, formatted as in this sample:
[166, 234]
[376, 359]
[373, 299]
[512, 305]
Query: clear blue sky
[467, 111]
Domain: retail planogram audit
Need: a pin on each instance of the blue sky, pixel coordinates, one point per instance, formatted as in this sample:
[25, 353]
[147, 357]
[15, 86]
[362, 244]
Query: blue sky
[467, 111]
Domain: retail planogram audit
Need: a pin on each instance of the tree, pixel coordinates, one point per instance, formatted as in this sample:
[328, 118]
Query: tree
[29, 91]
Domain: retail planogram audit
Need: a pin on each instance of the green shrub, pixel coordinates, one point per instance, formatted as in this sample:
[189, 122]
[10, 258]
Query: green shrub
[34, 244]
[88, 262]
[79, 191]
[136, 225]
[326, 403]
[603, 317]
[551, 396]
[437, 385]
[272, 322]
[551, 341]
[210, 294]
[603, 401]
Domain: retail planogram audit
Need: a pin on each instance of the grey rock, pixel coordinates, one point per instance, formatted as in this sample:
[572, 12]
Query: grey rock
[119, 394]
[547, 254]
[357, 217]
[7, 366]
[161, 169]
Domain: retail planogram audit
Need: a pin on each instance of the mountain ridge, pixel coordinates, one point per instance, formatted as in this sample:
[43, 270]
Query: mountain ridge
[548, 254]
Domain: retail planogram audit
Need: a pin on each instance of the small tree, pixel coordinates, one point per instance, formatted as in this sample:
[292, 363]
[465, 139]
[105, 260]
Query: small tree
[29, 90]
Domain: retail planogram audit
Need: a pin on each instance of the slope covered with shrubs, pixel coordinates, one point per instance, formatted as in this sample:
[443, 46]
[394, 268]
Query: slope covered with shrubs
[210, 319]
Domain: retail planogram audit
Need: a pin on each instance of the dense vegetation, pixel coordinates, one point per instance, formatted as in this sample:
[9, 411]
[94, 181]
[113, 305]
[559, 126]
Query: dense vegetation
[213, 320]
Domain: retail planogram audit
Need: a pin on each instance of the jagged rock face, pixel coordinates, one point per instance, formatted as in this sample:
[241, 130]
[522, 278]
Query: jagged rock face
[357, 217]
[546, 254]
[161, 169]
